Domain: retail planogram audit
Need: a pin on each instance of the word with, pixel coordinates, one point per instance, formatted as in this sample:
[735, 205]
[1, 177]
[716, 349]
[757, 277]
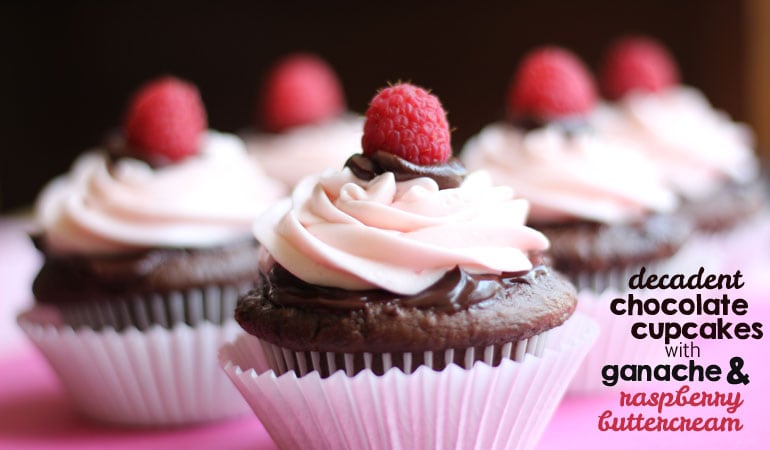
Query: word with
[683, 350]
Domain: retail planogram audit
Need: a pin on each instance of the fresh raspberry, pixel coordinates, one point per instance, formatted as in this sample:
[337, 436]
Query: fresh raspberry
[300, 89]
[409, 122]
[551, 83]
[637, 63]
[165, 120]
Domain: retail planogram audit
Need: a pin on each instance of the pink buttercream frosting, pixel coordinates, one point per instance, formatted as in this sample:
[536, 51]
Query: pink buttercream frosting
[338, 230]
[206, 200]
[696, 146]
[307, 150]
[569, 176]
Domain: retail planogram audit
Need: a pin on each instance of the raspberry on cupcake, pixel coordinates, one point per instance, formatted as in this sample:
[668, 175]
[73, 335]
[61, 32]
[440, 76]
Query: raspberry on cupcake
[303, 126]
[146, 246]
[402, 273]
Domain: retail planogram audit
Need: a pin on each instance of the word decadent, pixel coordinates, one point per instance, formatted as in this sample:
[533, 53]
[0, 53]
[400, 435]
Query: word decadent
[679, 281]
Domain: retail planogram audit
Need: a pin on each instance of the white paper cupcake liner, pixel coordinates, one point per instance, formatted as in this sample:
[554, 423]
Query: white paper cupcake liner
[740, 247]
[156, 377]
[282, 360]
[211, 303]
[615, 345]
[484, 407]
[617, 277]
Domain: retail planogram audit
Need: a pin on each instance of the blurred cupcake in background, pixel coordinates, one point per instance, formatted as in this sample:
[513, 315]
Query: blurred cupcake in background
[604, 206]
[147, 246]
[303, 126]
[402, 296]
[706, 157]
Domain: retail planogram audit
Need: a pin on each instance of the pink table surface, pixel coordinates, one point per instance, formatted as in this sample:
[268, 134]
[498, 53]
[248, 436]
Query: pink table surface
[35, 412]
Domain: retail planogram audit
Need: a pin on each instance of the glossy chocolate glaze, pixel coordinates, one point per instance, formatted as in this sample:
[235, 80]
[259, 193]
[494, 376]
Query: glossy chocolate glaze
[69, 278]
[447, 175]
[457, 290]
[584, 246]
[118, 148]
[459, 311]
[733, 203]
[570, 125]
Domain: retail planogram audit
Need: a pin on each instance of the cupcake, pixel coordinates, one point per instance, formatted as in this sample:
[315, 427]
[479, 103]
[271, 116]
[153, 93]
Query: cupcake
[147, 246]
[304, 127]
[705, 157]
[605, 208]
[403, 303]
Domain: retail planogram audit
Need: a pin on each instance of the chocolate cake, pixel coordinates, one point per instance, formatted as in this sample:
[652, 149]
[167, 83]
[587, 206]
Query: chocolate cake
[460, 311]
[146, 286]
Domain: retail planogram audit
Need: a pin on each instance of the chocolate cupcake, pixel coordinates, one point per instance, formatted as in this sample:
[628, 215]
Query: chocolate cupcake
[402, 273]
[147, 247]
[604, 206]
[706, 157]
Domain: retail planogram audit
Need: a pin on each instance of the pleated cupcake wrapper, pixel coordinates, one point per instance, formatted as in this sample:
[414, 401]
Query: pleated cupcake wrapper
[737, 248]
[615, 345]
[484, 407]
[156, 377]
[617, 277]
[213, 303]
[283, 360]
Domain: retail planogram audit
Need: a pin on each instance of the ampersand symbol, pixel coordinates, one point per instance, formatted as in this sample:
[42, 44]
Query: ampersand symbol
[735, 376]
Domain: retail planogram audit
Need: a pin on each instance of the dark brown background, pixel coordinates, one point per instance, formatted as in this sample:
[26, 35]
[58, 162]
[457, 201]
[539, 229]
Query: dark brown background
[68, 69]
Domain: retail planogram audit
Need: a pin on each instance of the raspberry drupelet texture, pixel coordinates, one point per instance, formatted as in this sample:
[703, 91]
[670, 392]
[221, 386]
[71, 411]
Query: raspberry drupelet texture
[165, 119]
[551, 83]
[300, 89]
[409, 122]
[637, 63]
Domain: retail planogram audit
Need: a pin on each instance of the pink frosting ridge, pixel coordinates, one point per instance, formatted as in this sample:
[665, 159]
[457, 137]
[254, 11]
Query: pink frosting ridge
[206, 200]
[568, 175]
[696, 146]
[308, 149]
[338, 230]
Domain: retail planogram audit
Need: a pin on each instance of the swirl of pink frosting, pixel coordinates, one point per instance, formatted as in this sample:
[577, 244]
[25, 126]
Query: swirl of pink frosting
[337, 230]
[307, 150]
[696, 146]
[206, 200]
[568, 176]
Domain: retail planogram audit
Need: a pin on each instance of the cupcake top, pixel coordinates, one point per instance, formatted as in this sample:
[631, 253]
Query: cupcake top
[549, 154]
[304, 125]
[166, 182]
[402, 215]
[697, 147]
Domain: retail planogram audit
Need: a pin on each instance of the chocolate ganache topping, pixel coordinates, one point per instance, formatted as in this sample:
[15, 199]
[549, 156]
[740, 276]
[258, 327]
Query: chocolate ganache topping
[457, 290]
[448, 175]
[76, 278]
[570, 125]
[117, 147]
